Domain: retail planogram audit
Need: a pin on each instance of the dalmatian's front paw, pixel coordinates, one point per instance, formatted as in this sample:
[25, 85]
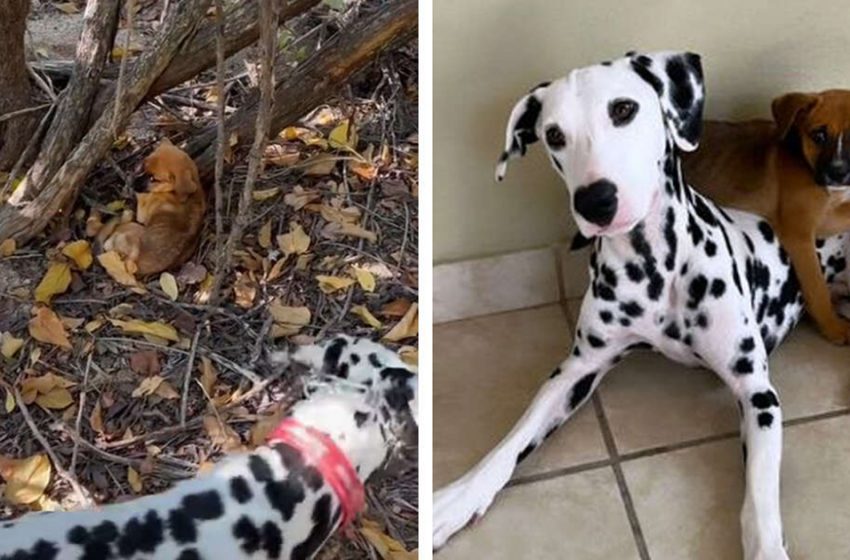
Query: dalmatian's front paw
[456, 506]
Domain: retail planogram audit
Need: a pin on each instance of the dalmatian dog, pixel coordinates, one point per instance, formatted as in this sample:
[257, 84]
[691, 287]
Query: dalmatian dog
[669, 270]
[283, 500]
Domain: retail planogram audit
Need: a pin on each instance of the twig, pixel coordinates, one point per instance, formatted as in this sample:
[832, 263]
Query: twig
[268, 33]
[129, 12]
[222, 138]
[184, 404]
[19, 112]
[82, 406]
[82, 493]
[47, 88]
[261, 338]
[34, 141]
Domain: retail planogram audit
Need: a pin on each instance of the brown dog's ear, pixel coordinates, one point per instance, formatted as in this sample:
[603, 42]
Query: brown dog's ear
[184, 182]
[788, 107]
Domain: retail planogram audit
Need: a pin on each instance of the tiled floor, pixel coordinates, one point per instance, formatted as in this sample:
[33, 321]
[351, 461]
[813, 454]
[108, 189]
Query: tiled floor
[674, 433]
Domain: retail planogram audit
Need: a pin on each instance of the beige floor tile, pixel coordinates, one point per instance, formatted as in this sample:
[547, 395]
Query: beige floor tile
[580, 517]
[688, 501]
[651, 401]
[486, 371]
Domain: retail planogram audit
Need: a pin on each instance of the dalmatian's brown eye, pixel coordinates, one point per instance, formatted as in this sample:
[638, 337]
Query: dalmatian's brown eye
[622, 111]
[819, 135]
[555, 137]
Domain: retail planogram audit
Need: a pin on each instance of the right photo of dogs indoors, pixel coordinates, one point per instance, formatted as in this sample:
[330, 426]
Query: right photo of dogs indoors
[640, 280]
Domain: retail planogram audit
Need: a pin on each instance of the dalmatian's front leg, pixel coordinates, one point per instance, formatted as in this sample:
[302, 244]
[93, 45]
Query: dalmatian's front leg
[569, 386]
[746, 374]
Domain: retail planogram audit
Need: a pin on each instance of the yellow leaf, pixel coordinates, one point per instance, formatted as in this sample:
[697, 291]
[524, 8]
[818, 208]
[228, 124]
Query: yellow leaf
[9, 345]
[288, 320]
[10, 402]
[93, 325]
[295, 242]
[364, 278]
[135, 480]
[408, 327]
[322, 164]
[209, 376]
[47, 327]
[55, 399]
[343, 136]
[169, 285]
[56, 280]
[265, 194]
[67, 7]
[8, 247]
[363, 312]
[116, 268]
[387, 547]
[264, 237]
[205, 289]
[26, 478]
[154, 328]
[349, 230]
[80, 252]
[331, 284]
[148, 386]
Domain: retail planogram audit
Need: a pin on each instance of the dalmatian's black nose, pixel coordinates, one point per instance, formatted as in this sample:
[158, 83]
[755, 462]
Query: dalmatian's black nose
[597, 202]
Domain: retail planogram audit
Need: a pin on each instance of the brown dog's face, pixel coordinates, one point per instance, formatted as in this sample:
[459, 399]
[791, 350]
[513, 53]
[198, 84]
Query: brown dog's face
[821, 121]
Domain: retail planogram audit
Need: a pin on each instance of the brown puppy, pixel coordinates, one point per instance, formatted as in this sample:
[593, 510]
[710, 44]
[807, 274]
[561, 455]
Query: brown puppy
[169, 216]
[795, 172]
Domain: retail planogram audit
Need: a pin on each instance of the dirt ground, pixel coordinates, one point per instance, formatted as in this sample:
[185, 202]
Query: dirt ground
[355, 202]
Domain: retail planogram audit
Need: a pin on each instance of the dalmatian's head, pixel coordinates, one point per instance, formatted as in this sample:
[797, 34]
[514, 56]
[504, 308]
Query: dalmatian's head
[607, 127]
[361, 394]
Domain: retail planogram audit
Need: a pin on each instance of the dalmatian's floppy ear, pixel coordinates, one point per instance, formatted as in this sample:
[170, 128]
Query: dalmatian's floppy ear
[522, 127]
[677, 78]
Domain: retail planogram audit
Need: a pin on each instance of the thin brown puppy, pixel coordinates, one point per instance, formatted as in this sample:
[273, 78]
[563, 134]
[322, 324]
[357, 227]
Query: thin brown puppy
[795, 172]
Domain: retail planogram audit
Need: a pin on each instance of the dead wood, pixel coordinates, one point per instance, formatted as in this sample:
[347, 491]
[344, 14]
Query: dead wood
[24, 222]
[68, 126]
[15, 90]
[320, 77]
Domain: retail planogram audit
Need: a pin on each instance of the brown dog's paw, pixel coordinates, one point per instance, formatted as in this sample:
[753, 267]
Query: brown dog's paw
[836, 331]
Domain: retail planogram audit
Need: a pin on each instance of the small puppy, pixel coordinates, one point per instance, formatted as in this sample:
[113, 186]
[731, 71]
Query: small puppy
[169, 216]
[795, 172]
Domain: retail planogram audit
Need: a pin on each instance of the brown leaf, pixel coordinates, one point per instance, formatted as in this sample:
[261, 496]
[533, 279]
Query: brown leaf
[7, 247]
[221, 434]
[408, 327]
[396, 308]
[299, 198]
[145, 362]
[166, 391]
[264, 236]
[56, 281]
[148, 386]
[47, 327]
[96, 418]
[55, 399]
[281, 156]
[117, 268]
[153, 328]
[387, 547]
[320, 165]
[265, 194]
[244, 290]
[135, 480]
[288, 320]
[296, 242]
[209, 375]
[331, 284]
[336, 229]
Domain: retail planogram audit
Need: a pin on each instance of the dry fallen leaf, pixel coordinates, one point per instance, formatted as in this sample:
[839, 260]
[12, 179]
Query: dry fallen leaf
[264, 236]
[209, 375]
[56, 281]
[80, 252]
[288, 320]
[387, 547]
[363, 169]
[153, 328]
[296, 242]
[167, 391]
[299, 198]
[319, 165]
[96, 418]
[148, 386]
[57, 398]
[364, 278]
[244, 290]
[26, 479]
[363, 312]
[135, 480]
[343, 136]
[8, 247]
[408, 327]
[396, 308]
[169, 285]
[47, 327]
[281, 156]
[336, 229]
[331, 284]
[9, 345]
[265, 194]
[116, 268]
[409, 355]
[221, 434]
[145, 362]
[10, 402]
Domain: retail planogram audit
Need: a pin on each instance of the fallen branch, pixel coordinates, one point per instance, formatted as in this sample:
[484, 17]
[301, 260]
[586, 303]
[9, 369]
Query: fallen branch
[320, 77]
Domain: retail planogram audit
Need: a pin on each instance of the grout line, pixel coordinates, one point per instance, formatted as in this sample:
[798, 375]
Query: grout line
[557, 473]
[626, 496]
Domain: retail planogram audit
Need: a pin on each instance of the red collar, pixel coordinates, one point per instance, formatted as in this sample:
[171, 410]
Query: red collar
[320, 451]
